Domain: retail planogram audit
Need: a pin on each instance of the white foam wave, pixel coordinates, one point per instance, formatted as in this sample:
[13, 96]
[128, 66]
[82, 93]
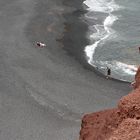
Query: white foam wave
[90, 51]
[100, 31]
[128, 69]
[104, 30]
[118, 66]
[119, 70]
[110, 20]
[104, 6]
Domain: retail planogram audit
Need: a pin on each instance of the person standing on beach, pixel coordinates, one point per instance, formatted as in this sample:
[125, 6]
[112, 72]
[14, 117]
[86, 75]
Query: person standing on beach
[139, 49]
[108, 72]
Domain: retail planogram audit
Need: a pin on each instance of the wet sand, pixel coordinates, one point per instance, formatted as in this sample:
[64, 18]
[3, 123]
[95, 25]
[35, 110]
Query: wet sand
[44, 91]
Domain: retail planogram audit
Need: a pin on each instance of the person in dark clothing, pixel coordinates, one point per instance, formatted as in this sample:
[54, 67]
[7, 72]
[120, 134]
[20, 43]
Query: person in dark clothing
[108, 72]
[139, 49]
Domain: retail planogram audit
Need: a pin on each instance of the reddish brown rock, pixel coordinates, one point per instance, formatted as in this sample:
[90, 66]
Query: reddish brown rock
[129, 129]
[121, 123]
[97, 126]
[129, 105]
[137, 79]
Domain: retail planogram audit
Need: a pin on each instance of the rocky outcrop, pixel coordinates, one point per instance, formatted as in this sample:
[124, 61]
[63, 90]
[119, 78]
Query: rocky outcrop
[137, 79]
[121, 123]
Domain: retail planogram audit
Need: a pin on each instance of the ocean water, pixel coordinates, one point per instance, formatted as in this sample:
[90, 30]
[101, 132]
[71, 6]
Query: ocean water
[114, 36]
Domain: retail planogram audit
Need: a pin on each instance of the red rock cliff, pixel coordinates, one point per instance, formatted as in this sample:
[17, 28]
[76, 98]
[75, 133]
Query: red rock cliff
[121, 123]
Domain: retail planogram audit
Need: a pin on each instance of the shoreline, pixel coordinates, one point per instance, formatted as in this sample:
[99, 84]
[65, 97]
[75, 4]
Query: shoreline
[75, 40]
[74, 36]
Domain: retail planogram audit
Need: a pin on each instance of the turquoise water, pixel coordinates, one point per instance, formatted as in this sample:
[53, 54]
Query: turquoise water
[114, 36]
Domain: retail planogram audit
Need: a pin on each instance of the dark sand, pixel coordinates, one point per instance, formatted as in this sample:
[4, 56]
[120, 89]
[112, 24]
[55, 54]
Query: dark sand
[44, 92]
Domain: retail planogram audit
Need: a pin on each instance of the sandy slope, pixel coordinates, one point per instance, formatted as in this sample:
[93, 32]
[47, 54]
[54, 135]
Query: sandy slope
[43, 92]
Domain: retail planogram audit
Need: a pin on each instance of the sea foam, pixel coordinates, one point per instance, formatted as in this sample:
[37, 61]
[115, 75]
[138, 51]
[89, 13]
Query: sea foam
[103, 33]
[104, 6]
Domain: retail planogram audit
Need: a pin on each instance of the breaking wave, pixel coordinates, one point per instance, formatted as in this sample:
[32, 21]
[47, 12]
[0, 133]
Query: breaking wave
[101, 32]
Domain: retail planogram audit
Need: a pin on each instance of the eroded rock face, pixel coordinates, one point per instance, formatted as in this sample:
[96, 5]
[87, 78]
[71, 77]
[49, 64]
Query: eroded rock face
[121, 123]
[98, 126]
[137, 79]
[129, 129]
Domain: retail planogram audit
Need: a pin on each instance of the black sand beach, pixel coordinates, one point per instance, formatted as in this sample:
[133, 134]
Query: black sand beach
[74, 39]
[44, 91]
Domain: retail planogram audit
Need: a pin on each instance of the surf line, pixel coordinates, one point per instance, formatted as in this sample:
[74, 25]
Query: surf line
[108, 22]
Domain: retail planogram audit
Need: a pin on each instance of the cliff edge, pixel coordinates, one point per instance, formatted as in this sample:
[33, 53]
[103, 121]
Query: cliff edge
[120, 123]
